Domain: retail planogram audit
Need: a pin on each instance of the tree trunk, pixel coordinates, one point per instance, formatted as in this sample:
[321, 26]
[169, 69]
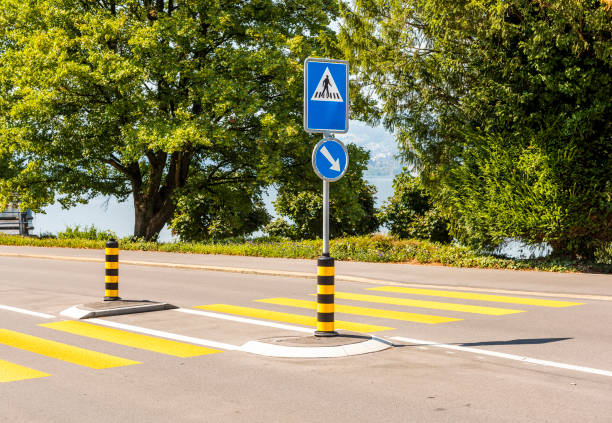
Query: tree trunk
[154, 202]
[150, 220]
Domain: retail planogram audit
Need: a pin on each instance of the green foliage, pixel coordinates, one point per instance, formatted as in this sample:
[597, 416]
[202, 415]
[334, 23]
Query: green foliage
[88, 233]
[280, 228]
[504, 107]
[157, 100]
[351, 205]
[410, 212]
[604, 254]
[382, 249]
[221, 212]
[5, 169]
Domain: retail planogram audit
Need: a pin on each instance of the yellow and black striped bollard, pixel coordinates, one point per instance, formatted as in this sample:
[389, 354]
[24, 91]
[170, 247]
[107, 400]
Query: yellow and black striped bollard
[111, 278]
[325, 297]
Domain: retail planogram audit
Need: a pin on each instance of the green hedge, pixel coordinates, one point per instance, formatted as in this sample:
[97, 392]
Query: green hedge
[375, 248]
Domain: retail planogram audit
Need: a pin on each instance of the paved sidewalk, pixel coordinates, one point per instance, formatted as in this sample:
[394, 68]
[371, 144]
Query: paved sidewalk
[568, 283]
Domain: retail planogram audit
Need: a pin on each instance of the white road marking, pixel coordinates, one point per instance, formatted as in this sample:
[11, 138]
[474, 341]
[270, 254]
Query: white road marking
[507, 356]
[24, 311]
[168, 335]
[245, 320]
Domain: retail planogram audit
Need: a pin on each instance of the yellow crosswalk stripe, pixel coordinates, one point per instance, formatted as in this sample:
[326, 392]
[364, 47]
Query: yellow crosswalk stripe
[11, 372]
[64, 352]
[364, 311]
[289, 318]
[135, 340]
[427, 304]
[473, 296]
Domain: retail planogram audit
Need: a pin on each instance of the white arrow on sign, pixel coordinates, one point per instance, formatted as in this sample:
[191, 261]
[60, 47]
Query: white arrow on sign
[335, 164]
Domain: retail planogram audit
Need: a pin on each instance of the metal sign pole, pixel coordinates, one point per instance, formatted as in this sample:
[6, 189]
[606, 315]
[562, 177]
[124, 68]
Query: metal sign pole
[326, 218]
[326, 99]
[326, 209]
[325, 273]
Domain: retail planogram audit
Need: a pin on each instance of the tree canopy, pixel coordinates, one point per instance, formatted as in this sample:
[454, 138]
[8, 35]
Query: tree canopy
[169, 101]
[300, 198]
[411, 213]
[504, 107]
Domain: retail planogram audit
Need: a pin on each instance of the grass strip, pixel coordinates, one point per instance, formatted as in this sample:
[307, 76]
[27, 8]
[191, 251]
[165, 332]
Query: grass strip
[374, 248]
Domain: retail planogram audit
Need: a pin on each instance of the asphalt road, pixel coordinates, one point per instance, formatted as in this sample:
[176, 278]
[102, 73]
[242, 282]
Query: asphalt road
[520, 360]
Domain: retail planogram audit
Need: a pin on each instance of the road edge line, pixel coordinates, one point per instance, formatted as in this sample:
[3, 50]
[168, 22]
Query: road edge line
[520, 358]
[24, 311]
[245, 320]
[168, 335]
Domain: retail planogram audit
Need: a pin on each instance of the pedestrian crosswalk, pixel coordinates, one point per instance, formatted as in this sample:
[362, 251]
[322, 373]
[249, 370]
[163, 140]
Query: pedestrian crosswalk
[363, 311]
[61, 351]
[289, 318]
[402, 297]
[129, 339]
[398, 305]
[475, 296]
[435, 305]
[11, 372]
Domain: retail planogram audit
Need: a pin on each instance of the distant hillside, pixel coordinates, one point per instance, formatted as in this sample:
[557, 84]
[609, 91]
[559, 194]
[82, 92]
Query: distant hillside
[382, 147]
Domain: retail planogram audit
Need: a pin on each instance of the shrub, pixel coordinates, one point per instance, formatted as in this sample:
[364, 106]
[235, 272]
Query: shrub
[411, 213]
[603, 254]
[90, 233]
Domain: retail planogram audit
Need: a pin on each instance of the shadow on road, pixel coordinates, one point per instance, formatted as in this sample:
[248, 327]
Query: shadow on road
[514, 342]
[533, 341]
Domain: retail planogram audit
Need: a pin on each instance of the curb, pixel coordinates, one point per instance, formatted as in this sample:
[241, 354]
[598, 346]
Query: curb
[75, 312]
[270, 350]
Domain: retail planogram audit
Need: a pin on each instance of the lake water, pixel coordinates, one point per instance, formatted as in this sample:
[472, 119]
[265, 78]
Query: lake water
[107, 213]
[384, 189]
[103, 213]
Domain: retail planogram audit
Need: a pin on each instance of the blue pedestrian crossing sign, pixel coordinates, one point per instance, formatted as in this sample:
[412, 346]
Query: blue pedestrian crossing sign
[326, 95]
[330, 159]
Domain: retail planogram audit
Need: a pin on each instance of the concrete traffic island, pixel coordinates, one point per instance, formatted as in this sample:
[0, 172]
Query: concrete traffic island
[344, 345]
[114, 308]
[113, 305]
[325, 342]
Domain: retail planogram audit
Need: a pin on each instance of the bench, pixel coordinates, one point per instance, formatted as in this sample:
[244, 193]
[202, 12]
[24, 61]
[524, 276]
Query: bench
[12, 220]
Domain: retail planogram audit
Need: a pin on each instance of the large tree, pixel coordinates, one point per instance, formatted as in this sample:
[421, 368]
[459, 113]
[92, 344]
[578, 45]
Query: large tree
[504, 106]
[162, 100]
[411, 213]
[300, 199]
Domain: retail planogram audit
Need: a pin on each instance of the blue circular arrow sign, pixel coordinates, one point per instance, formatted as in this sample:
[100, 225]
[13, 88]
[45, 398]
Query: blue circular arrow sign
[330, 159]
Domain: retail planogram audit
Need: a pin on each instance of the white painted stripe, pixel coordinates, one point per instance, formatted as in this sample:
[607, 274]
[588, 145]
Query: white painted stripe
[24, 311]
[245, 320]
[168, 335]
[507, 356]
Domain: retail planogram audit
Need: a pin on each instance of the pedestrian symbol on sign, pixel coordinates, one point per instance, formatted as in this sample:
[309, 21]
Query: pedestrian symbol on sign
[326, 95]
[327, 89]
